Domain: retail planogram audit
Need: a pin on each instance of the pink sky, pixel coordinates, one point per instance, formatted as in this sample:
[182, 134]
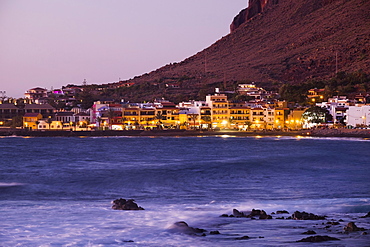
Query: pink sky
[51, 43]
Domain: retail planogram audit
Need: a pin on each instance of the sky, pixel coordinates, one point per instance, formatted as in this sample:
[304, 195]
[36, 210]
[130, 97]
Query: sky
[52, 43]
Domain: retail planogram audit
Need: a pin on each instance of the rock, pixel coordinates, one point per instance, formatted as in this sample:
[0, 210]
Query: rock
[242, 238]
[351, 227]
[282, 212]
[214, 232]
[310, 232]
[224, 215]
[333, 223]
[306, 216]
[183, 227]
[123, 204]
[254, 8]
[317, 238]
[255, 212]
[366, 216]
[265, 217]
[237, 213]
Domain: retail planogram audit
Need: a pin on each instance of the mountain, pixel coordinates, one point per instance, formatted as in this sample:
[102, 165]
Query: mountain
[273, 42]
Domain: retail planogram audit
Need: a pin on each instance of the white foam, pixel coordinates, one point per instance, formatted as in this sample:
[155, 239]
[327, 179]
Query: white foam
[10, 184]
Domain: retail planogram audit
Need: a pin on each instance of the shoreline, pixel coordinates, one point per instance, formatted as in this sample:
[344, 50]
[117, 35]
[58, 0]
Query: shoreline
[345, 133]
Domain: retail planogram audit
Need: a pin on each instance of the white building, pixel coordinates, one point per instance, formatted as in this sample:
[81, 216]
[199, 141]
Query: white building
[358, 116]
[337, 107]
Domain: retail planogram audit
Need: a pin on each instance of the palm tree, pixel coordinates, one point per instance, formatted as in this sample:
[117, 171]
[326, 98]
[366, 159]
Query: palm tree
[248, 124]
[194, 118]
[99, 119]
[159, 117]
[111, 115]
[207, 119]
[49, 121]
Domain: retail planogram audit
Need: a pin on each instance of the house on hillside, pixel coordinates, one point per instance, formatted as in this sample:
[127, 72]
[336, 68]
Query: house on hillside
[31, 120]
[45, 110]
[8, 111]
[36, 93]
[316, 95]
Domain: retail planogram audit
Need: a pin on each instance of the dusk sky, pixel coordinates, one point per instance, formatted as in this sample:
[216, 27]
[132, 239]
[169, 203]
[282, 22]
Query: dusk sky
[51, 43]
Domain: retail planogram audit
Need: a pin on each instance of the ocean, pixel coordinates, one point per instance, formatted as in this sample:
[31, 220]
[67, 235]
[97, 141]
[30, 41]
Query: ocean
[57, 191]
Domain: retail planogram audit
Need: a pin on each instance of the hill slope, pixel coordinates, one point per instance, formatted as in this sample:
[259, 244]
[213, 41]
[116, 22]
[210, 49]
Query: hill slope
[290, 41]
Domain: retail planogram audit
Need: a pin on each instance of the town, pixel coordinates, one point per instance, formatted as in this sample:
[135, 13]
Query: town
[58, 109]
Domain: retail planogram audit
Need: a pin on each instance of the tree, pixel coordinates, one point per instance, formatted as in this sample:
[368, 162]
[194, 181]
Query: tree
[193, 117]
[208, 120]
[247, 124]
[111, 115]
[49, 121]
[316, 115]
[159, 117]
[37, 124]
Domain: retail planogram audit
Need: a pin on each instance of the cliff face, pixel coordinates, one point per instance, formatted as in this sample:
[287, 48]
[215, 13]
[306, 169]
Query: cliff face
[289, 41]
[254, 8]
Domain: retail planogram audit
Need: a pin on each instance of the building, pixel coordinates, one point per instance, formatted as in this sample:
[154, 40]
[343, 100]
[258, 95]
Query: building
[36, 93]
[8, 112]
[45, 110]
[239, 116]
[316, 95]
[31, 120]
[219, 110]
[358, 116]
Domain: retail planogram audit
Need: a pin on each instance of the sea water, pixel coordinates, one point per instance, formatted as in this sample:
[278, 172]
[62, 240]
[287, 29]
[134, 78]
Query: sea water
[58, 191]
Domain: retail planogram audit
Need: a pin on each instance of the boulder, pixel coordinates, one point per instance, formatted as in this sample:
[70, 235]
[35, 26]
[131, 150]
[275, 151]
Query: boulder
[351, 227]
[317, 238]
[251, 214]
[123, 204]
[310, 232]
[184, 228]
[366, 216]
[282, 212]
[306, 216]
[243, 238]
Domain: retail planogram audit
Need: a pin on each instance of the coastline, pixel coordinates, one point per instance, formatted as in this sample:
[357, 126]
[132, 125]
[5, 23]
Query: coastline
[356, 133]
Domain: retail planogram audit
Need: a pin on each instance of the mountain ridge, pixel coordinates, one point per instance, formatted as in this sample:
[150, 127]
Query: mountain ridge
[288, 42]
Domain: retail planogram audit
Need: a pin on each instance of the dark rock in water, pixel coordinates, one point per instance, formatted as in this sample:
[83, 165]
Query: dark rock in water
[306, 216]
[310, 232]
[242, 238]
[214, 232]
[282, 212]
[123, 204]
[183, 227]
[364, 233]
[351, 227]
[237, 213]
[255, 212]
[265, 217]
[318, 238]
[366, 216]
[224, 215]
[333, 223]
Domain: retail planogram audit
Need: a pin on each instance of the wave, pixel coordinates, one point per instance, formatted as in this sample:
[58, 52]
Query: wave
[6, 185]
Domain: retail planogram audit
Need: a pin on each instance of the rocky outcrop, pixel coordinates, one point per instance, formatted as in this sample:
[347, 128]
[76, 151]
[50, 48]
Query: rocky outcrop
[184, 228]
[351, 227]
[366, 216]
[123, 204]
[254, 8]
[306, 216]
[318, 238]
[251, 214]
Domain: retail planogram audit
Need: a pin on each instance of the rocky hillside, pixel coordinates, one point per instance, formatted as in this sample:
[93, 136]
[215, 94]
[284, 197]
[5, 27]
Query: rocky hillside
[274, 42]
